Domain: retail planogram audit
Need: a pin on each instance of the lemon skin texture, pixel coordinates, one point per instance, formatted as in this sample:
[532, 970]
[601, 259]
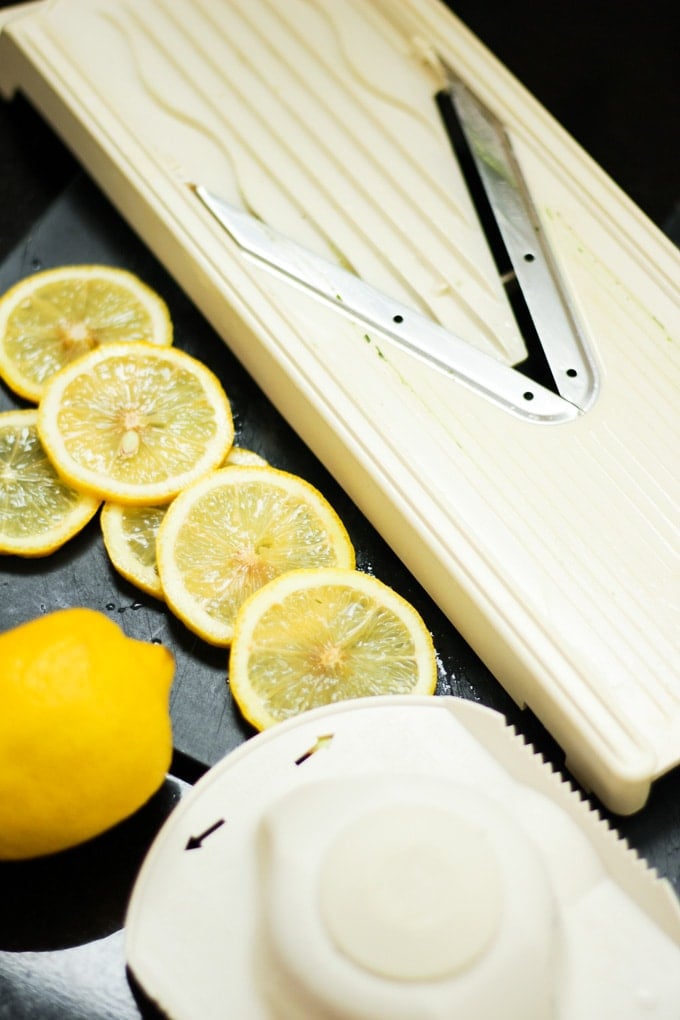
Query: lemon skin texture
[85, 729]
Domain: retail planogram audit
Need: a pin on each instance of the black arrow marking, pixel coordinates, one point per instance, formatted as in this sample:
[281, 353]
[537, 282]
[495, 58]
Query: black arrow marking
[322, 741]
[194, 842]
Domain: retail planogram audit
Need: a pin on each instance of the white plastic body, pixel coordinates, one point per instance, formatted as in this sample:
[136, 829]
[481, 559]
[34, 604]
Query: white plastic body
[401, 857]
[553, 549]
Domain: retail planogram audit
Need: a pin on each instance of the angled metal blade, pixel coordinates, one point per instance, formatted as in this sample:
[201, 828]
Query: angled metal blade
[565, 349]
[401, 325]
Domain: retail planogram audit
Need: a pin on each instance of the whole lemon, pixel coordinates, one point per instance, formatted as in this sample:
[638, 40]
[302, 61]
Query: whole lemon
[85, 730]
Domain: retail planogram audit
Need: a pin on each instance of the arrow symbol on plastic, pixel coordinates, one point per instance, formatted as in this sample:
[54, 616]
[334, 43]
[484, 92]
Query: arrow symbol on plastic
[194, 842]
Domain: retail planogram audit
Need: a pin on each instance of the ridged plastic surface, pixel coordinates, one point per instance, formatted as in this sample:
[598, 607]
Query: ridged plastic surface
[553, 549]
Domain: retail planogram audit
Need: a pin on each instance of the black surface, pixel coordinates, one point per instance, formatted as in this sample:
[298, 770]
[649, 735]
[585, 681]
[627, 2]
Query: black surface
[81, 226]
[609, 73]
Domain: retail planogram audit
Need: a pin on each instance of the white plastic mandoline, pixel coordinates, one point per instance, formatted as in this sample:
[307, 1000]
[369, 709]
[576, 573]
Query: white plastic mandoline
[551, 546]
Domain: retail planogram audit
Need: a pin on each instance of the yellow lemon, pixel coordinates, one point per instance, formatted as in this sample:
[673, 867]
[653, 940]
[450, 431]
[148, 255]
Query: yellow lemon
[135, 423]
[52, 317]
[85, 731]
[231, 532]
[314, 637]
[38, 510]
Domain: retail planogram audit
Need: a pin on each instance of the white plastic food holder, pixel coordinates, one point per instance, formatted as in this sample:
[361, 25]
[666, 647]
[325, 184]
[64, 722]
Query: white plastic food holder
[398, 857]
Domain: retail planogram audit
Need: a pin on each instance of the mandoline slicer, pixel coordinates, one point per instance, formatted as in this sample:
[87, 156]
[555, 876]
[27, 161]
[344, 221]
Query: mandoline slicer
[486, 354]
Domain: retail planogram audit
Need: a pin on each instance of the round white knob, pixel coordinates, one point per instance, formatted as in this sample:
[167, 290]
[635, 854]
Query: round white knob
[402, 896]
[411, 892]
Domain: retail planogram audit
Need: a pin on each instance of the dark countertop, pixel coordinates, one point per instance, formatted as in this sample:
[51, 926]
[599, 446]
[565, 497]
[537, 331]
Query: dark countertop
[609, 73]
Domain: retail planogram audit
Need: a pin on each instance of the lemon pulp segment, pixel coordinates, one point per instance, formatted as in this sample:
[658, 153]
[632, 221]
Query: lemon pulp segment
[38, 511]
[314, 637]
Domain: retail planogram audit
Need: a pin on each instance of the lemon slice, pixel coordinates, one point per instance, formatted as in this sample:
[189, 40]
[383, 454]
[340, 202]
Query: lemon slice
[314, 637]
[233, 531]
[38, 511]
[135, 423]
[130, 533]
[49, 319]
[241, 455]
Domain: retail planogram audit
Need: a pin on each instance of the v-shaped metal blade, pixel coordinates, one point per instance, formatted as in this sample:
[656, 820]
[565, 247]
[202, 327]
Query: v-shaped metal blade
[401, 325]
[527, 248]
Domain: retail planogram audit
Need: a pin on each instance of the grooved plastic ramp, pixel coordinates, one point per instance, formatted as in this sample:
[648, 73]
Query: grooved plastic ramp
[552, 548]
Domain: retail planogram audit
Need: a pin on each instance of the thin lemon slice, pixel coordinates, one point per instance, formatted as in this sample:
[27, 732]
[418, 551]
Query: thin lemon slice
[135, 423]
[49, 319]
[231, 532]
[314, 637]
[38, 511]
[240, 455]
[130, 533]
